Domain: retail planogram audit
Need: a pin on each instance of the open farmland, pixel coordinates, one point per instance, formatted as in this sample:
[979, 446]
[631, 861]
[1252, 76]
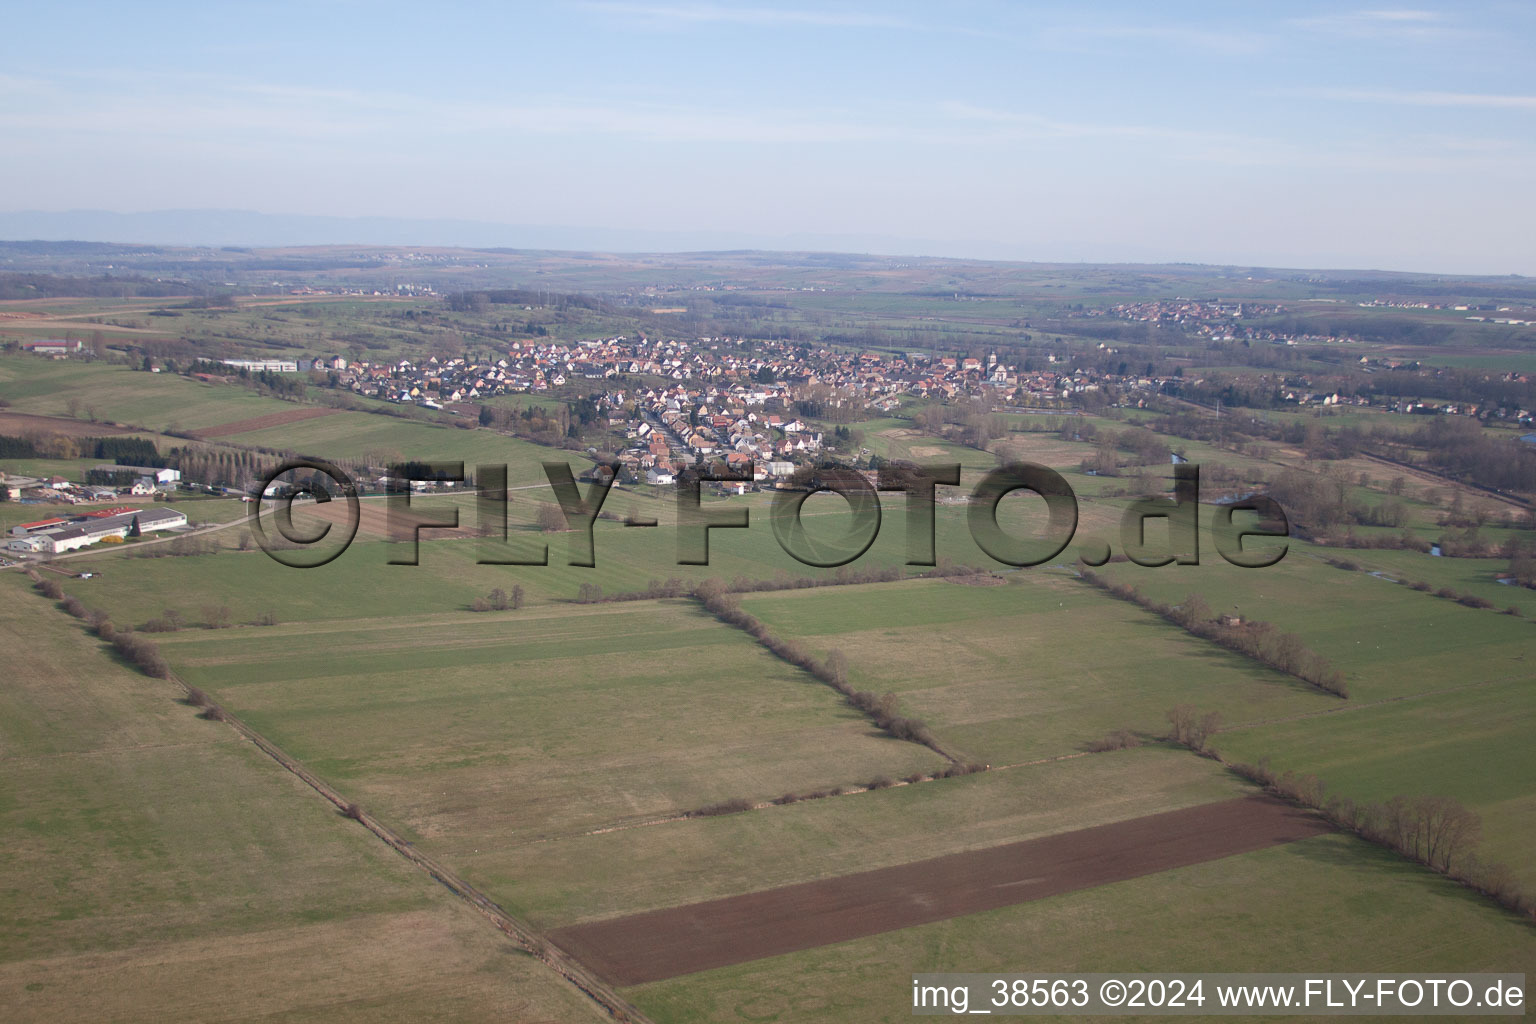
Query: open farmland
[1390, 640]
[276, 419]
[561, 720]
[1472, 743]
[157, 868]
[362, 435]
[1344, 903]
[752, 790]
[1036, 668]
[699, 936]
[118, 394]
[449, 575]
[22, 424]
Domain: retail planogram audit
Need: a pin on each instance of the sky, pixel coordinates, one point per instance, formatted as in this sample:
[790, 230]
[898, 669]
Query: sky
[1266, 134]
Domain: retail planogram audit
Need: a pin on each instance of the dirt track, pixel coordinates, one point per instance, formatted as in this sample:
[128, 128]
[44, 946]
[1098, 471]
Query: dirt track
[680, 940]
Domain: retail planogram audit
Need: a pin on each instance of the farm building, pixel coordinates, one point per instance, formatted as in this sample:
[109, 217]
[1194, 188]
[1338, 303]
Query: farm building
[157, 474]
[267, 365]
[53, 347]
[39, 525]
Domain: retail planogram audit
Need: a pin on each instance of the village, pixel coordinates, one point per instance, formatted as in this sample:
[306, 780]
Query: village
[681, 403]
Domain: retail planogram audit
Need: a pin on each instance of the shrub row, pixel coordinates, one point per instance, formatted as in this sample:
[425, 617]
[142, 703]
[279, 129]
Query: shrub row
[881, 782]
[1117, 739]
[590, 593]
[1467, 598]
[1436, 831]
[1261, 641]
[498, 600]
[144, 654]
[1404, 541]
[723, 807]
[884, 710]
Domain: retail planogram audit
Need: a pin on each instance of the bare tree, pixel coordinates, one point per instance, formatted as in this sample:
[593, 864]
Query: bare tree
[837, 667]
[551, 519]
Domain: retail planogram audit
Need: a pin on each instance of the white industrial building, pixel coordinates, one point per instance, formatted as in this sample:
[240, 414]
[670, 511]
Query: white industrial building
[56, 539]
[155, 473]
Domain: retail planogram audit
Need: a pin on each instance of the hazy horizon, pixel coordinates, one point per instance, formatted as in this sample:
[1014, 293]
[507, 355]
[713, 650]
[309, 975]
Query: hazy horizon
[279, 231]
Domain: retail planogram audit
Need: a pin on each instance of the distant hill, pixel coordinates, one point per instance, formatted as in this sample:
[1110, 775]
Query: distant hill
[248, 228]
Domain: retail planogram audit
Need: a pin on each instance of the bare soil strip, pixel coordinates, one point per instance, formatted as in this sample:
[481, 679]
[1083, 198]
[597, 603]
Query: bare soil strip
[274, 419]
[23, 424]
[681, 940]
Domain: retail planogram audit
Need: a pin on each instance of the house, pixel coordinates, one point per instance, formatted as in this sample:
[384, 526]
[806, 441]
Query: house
[659, 477]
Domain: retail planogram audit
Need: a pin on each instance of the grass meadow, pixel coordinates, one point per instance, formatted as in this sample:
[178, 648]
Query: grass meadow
[156, 867]
[119, 394]
[486, 731]
[1036, 668]
[1331, 903]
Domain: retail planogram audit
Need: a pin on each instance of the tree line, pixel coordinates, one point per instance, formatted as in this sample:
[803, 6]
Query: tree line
[1260, 641]
[1436, 831]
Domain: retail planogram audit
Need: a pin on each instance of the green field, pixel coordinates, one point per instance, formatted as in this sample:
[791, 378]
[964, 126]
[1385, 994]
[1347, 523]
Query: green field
[1326, 901]
[118, 394]
[1390, 641]
[684, 861]
[562, 720]
[382, 438]
[1472, 744]
[1427, 675]
[1033, 669]
[159, 868]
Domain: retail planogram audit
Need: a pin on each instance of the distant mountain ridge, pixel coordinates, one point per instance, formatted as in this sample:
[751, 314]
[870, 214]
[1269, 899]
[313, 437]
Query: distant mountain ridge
[247, 228]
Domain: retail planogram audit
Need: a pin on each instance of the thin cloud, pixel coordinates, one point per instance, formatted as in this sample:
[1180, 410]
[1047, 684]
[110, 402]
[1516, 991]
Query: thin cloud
[1422, 98]
[205, 112]
[1187, 37]
[1028, 125]
[1398, 23]
[718, 14]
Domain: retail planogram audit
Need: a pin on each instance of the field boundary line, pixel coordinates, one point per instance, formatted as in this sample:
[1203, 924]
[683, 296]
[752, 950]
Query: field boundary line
[1352, 706]
[569, 968]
